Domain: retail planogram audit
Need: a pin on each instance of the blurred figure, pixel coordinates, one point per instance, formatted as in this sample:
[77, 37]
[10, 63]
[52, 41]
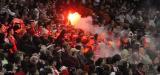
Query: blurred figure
[139, 69]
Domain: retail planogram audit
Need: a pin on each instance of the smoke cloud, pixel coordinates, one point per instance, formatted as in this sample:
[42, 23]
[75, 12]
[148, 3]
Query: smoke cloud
[105, 48]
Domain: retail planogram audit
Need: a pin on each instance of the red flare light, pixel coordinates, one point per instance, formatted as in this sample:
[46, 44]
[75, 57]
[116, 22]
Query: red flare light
[74, 18]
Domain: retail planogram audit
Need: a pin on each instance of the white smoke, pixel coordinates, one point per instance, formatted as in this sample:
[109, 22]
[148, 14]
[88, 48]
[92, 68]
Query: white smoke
[87, 25]
[104, 50]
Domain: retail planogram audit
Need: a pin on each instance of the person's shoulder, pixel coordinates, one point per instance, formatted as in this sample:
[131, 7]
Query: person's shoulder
[1, 73]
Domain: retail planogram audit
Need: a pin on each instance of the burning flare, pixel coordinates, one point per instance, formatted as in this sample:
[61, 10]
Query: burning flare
[74, 18]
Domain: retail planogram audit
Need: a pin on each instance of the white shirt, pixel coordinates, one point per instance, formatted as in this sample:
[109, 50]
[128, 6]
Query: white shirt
[152, 23]
[112, 73]
[129, 18]
[121, 17]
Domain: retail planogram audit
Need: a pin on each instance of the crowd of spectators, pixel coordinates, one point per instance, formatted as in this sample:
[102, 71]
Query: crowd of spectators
[35, 38]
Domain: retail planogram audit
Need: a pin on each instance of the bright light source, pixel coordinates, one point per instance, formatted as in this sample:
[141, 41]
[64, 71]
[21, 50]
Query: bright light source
[74, 18]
